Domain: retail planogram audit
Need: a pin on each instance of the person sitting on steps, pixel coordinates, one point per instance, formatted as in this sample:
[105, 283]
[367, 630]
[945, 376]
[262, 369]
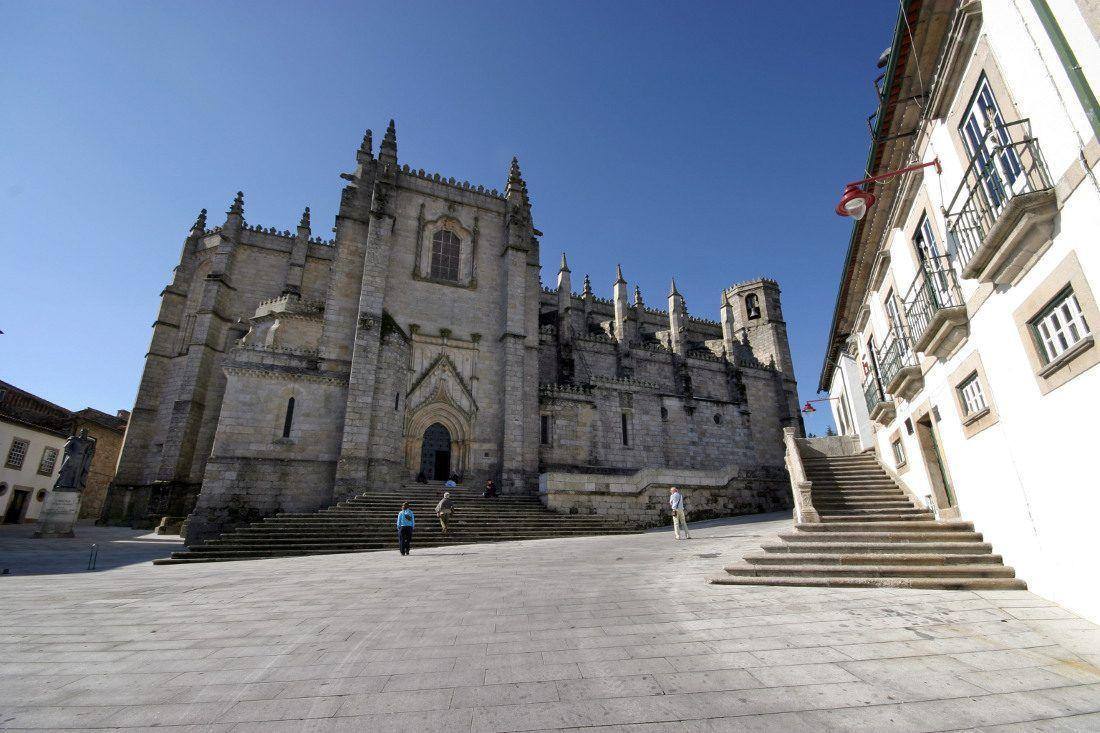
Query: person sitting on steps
[490, 489]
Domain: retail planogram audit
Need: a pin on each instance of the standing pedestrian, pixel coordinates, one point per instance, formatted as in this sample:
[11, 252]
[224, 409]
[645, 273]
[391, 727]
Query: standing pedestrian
[444, 509]
[405, 523]
[679, 519]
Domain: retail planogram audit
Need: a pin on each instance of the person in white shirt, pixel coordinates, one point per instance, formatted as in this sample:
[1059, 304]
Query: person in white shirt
[679, 520]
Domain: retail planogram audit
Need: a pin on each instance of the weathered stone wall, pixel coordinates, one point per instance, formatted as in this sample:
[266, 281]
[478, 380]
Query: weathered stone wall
[254, 470]
[108, 442]
[641, 498]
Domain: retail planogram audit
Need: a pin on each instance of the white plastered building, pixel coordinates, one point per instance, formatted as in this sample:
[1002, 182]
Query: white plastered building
[963, 347]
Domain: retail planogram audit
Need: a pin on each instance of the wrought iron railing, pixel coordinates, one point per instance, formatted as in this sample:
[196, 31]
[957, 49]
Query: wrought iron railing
[895, 355]
[872, 393]
[1007, 164]
[934, 288]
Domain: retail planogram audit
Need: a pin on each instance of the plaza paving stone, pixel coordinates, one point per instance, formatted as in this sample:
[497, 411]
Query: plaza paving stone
[594, 634]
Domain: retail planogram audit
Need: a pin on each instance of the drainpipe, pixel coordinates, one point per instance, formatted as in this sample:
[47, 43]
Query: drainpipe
[1069, 62]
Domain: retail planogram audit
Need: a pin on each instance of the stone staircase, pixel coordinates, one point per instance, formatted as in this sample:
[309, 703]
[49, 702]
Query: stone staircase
[872, 535]
[367, 523]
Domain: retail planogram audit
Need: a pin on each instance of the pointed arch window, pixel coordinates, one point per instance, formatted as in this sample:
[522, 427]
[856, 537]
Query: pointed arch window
[445, 255]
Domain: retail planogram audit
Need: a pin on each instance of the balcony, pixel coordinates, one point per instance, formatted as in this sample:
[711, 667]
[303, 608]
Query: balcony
[1001, 218]
[899, 369]
[935, 310]
[879, 408]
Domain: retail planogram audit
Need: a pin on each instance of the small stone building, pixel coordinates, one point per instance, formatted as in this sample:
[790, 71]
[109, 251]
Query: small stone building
[287, 371]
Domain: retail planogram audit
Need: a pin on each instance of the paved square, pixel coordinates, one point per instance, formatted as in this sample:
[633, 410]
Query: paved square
[603, 633]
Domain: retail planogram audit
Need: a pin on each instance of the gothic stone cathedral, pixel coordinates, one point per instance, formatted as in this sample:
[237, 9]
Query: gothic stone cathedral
[287, 372]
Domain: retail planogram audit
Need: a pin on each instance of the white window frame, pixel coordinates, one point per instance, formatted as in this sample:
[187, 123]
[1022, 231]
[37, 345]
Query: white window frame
[972, 396]
[43, 468]
[898, 449]
[983, 113]
[16, 459]
[1059, 326]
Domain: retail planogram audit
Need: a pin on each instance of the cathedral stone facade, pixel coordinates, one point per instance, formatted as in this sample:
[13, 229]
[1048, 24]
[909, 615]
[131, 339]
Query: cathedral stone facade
[287, 372]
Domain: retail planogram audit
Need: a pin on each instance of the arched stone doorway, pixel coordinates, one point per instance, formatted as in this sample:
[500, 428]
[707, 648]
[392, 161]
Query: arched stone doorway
[435, 453]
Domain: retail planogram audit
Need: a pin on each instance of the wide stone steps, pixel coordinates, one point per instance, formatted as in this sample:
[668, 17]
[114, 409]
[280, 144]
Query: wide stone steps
[367, 523]
[816, 548]
[874, 571]
[916, 583]
[871, 558]
[872, 534]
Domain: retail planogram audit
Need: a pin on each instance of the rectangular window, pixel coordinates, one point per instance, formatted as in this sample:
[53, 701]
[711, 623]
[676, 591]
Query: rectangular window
[626, 429]
[845, 417]
[1059, 326]
[899, 452]
[971, 396]
[544, 436]
[49, 460]
[924, 239]
[892, 311]
[17, 453]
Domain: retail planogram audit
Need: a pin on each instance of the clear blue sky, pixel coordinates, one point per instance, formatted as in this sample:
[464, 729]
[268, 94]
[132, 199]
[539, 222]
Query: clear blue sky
[705, 141]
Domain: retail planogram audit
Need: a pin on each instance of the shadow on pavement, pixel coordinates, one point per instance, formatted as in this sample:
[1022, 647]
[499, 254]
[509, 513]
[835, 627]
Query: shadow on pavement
[22, 554]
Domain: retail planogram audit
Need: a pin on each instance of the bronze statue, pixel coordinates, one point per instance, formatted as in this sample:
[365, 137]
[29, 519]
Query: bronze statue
[78, 453]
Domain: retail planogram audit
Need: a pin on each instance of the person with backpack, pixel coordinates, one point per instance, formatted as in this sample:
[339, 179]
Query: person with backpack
[405, 523]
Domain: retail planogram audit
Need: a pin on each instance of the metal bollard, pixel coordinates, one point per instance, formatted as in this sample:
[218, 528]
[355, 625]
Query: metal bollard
[92, 557]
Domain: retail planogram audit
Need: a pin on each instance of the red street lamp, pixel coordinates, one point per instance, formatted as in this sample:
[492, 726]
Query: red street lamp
[855, 201]
[808, 407]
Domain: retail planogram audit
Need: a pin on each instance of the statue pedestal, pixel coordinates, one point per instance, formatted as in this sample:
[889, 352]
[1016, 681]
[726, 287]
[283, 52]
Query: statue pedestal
[59, 514]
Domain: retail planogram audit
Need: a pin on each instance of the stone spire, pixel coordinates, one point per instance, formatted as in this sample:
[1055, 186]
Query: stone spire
[621, 306]
[366, 149]
[726, 316]
[303, 223]
[516, 187]
[677, 317]
[587, 292]
[387, 151]
[564, 284]
[200, 223]
[638, 302]
[234, 218]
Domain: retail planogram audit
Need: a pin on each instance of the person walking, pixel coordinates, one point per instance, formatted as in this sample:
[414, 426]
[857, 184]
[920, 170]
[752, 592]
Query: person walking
[405, 523]
[444, 509]
[679, 519]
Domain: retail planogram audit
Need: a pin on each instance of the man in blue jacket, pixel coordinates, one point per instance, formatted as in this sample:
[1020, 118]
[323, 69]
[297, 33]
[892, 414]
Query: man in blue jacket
[405, 523]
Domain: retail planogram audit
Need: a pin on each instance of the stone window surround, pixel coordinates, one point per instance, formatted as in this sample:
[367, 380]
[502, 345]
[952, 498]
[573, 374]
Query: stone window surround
[979, 421]
[10, 461]
[43, 468]
[467, 257]
[546, 429]
[896, 437]
[1078, 359]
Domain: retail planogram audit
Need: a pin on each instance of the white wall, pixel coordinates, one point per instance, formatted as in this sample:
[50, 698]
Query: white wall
[1029, 482]
[28, 477]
